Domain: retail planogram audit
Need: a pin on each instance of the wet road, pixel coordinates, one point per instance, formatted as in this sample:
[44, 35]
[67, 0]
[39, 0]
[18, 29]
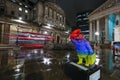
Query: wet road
[48, 65]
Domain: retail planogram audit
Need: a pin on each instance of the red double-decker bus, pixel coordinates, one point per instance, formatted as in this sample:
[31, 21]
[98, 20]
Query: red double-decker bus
[30, 40]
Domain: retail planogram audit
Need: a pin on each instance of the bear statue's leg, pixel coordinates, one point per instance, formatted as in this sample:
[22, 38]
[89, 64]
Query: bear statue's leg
[87, 62]
[91, 59]
[81, 57]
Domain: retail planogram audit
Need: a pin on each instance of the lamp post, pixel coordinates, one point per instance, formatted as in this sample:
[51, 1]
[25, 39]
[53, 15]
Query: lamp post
[96, 37]
[17, 37]
[45, 33]
[67, 35]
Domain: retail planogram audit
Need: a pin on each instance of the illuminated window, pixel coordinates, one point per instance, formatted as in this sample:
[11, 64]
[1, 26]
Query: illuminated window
[20, 18]
[79, 15]
[20, 3]
[85, 18]
[26, 11]
[20, 9]
[26, 6]
[45, 32]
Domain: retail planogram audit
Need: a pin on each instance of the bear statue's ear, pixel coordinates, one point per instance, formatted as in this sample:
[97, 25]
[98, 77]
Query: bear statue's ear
[81, 35]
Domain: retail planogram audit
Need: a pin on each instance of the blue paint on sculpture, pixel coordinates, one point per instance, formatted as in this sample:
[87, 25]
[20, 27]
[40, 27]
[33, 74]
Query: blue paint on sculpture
[83, 48]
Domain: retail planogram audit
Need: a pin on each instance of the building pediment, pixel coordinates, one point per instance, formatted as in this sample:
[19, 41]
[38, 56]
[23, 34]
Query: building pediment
[108, 4]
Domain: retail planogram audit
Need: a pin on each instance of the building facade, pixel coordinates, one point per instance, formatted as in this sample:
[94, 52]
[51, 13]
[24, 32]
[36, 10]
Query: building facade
[82, 22]
[103, 20]
[44, 18]
[17, 16]
[13, 13]
[52, 20]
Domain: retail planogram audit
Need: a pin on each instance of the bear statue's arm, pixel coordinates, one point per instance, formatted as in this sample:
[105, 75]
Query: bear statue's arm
[89, 48]
[74, 41]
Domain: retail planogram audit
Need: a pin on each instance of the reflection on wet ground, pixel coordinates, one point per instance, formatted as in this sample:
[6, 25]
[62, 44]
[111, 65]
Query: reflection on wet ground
[48, 65]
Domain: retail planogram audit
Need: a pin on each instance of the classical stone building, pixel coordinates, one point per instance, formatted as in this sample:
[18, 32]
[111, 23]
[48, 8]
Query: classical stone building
[103, 20]
[13, 15]
[52, 20]
[44, 17]
[17, 16]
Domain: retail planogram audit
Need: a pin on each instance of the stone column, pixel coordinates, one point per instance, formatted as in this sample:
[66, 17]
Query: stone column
[117, 19]
[106, 30]
[6, 31]
[90, 32]
[2, 33]
[94, 30]
[98, 30]
[64, 21]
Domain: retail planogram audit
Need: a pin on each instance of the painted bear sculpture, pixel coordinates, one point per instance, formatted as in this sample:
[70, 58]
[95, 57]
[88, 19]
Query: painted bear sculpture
[84, 51]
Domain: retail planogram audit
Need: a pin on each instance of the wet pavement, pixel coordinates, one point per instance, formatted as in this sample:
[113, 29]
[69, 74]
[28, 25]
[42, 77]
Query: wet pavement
[49, 64]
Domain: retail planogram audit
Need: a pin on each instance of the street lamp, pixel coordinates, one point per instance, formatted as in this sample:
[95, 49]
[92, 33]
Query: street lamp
[20, 18]
[49, 26]
[67, 35]
[17, 42]
[45, 33]
[96, 35]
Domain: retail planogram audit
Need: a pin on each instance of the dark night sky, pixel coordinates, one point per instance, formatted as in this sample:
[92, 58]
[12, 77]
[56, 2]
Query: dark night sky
[72, 7]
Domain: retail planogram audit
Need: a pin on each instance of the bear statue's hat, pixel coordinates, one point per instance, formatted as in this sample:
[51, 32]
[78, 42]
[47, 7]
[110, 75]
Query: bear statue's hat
[77, 31]
[76, 34]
